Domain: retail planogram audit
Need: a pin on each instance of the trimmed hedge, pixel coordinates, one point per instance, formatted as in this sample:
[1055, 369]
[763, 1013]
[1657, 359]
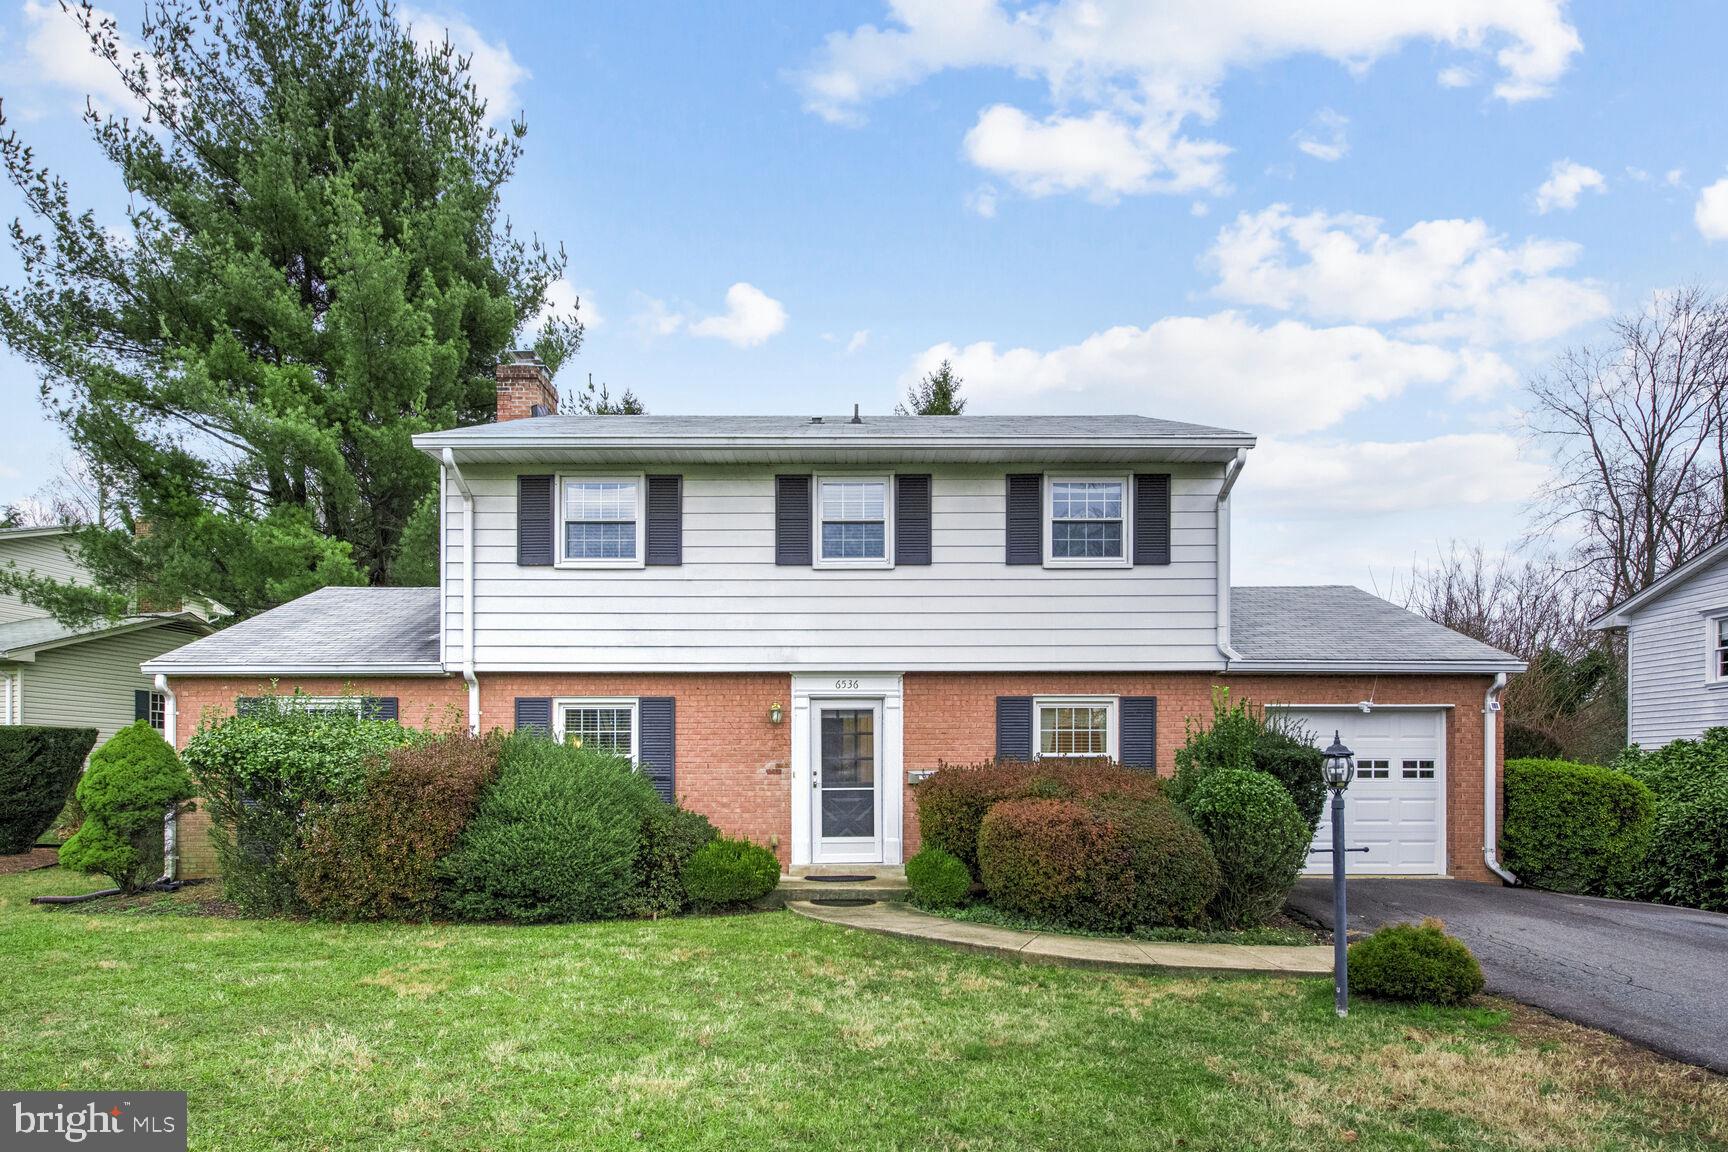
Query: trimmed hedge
[556, 837]
[726, 873]
[937, 880]
[1109, 864]
[132, 783]
[375, 857]
[1687, 862]
[670, 837]
[1576, 828]
[39, 768]
[1415, 962]
[953, 802]
[1258, 837]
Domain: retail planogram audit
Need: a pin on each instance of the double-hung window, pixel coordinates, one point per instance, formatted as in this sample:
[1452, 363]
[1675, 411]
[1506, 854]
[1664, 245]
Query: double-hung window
[1716, 638]
[159, 712]
[853, 522]
[608, 725]
[1082, 727]
[1087, 521]
[601, 521]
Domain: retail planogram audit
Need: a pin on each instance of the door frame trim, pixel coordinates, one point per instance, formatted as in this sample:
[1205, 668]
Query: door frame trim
[887, 690]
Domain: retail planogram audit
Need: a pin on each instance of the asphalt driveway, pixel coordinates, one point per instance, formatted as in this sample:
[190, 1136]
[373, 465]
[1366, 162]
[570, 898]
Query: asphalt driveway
[1655, 975]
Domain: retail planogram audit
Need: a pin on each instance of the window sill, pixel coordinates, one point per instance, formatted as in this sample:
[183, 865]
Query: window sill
[1053, 562]
[599, 564]
[853, 565]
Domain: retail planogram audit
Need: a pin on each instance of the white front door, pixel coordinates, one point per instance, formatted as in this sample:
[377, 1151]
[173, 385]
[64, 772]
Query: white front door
[1395, 808]
[846, 781]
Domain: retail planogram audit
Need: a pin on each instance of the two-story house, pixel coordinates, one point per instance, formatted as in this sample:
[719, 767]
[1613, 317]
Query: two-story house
[786, 621]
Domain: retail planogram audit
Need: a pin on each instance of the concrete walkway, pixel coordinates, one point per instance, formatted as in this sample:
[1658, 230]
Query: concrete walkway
[1079, 951]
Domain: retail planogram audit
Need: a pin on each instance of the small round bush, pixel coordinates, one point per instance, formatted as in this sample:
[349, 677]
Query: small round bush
[132, 783]
[1258, 837]
[1576, 827]
[670, 837]
[1415, 962]
[937, 879]
[727, 873]
[1173, 874]
[1055, 860]
[38, 769]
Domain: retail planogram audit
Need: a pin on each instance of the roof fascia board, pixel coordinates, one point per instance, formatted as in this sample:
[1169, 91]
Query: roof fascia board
[152, 667]
[27, 652]
[1381, 667]
[1615, 617]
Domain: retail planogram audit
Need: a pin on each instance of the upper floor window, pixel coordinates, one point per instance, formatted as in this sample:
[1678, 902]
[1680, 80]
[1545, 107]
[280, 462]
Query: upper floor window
[1718, 638]
[1088, 521]
[853, 519]
[602, 521]
[1075, 727]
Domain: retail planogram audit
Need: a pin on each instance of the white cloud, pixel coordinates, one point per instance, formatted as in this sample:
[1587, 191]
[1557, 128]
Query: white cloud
[1456, 76]
[1711, 213]
[1125, 78]
[1638, 174]
[982, 201]
[751, 317]
[654, 318]
[1674, 177]
[1217, 369]
[1323, 477]
[1566, 182]
[562, 298]
[1442, 278]
[1324, 136]
[859, 339]
[495, 72]
[57, 52]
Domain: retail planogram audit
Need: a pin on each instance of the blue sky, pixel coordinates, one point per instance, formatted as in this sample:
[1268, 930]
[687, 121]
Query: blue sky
[1350, 227]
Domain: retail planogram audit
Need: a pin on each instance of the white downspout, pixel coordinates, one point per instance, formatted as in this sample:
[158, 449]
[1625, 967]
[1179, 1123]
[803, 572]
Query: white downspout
[467, 590]
[1231, 472]
[171, 820]
[1490, 757]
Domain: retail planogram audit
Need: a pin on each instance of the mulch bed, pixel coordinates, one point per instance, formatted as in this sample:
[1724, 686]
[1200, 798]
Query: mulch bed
[29, 861]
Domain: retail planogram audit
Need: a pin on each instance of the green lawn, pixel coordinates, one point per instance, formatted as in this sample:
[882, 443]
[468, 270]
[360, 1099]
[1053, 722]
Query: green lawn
[768, 1031]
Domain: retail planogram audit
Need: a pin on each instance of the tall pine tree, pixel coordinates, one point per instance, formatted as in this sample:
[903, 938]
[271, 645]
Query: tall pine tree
[313, 267]
[937, 394]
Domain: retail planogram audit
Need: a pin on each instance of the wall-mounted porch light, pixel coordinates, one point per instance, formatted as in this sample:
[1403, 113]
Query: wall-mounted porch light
[775, 713]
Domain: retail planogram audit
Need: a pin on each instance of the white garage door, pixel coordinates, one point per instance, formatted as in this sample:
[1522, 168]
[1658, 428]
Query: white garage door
[1395, 807]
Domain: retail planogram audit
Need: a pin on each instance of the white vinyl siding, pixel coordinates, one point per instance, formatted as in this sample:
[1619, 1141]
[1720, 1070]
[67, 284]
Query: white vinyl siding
[91, 684]
[1675, 692]
[729, 608]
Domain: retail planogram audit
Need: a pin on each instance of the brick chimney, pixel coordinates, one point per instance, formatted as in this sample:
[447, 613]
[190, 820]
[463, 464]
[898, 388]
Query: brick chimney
[524, 387]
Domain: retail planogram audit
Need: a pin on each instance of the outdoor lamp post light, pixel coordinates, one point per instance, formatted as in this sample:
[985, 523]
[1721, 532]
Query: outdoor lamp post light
[1339, 768]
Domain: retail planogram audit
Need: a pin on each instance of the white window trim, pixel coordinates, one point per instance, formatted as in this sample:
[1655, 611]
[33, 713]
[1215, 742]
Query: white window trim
[631, 702]
[886, 560]
[1112, 734]
[1713, 678]
[640, 479]
[1051, 479]
[352, 704]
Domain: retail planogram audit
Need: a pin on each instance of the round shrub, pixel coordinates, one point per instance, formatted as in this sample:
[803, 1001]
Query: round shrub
[1055, 860]
[38, 769]
[1172, 872]
[132, 783]
[670, 837]
[1258, 837]
[1687, 862]
[556, 837]
[937, 879]
[1576, 827]
[1415, 962]
[727, 873]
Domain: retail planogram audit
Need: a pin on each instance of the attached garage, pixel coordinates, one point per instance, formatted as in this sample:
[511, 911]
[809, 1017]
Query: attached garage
[1396, 806]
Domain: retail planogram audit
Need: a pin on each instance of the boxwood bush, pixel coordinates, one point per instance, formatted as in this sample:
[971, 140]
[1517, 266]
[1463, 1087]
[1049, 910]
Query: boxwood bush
[132, 783]
[1258, 837]
[670, 837]
[1243, 738]
[556, 837]
[937, 879]
[1688, 858]
[1415, 962]
[1576, 827]
[38, 768]
[726, 873]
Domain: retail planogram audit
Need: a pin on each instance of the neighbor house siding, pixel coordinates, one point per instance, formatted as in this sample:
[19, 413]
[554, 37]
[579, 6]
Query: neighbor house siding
[46, 557]
[728, 607]
[90, 684]
[1671, 697]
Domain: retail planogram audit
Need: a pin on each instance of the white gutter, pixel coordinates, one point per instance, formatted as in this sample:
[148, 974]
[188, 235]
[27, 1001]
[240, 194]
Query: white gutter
[266, 671]
[467, 589]
[171, 820]
[1490, 758]
[1231, 472]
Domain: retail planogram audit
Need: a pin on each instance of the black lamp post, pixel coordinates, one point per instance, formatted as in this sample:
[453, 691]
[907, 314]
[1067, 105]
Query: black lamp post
[1339, 769]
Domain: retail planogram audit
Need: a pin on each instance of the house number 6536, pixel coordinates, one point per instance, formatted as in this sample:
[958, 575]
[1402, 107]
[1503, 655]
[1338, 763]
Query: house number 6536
[845, 684]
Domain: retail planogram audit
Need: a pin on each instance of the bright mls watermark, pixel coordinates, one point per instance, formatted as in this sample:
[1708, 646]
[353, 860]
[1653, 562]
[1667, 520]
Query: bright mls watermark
[137, 1121]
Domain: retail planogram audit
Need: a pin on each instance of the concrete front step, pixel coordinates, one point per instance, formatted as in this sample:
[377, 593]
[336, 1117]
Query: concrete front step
[886, 884]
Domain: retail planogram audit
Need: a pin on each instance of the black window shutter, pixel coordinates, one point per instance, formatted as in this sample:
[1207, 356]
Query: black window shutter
[534, 714]
[792, 514]
[657, 743]
[1152, 518]
[911, 520]
[664, 538]
[141, 704]
[1138, 741]
[1013, 727]
[247, 705]
[378, 707]
[1026, 518]
[534, 521]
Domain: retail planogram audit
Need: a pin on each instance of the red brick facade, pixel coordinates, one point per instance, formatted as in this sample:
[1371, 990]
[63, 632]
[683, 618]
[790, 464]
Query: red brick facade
[734, 764]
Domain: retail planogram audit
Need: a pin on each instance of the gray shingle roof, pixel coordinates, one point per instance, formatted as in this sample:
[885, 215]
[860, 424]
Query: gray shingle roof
[21, 636]
[331, 628]
[1337, 624]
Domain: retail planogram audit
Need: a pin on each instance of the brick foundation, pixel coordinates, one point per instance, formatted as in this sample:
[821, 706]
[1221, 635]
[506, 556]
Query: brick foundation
[734, 765]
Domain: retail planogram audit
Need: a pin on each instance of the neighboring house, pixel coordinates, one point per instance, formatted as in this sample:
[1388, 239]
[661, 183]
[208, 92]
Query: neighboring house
[786, 621]
[78, 677]
[1676, 651]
